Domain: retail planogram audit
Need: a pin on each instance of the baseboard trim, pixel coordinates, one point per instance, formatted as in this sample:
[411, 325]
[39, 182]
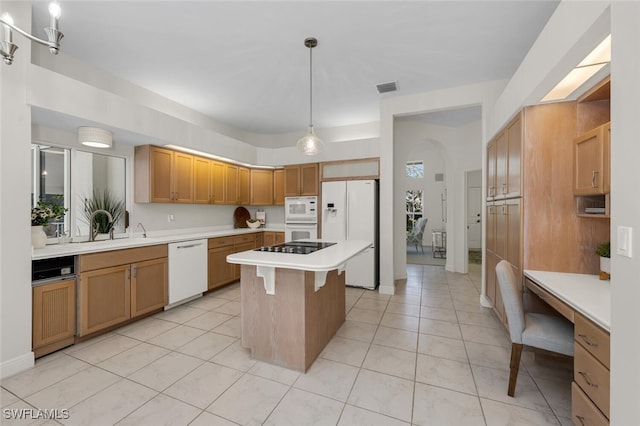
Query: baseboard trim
[389, 290]
[16, 365]
[485, 302]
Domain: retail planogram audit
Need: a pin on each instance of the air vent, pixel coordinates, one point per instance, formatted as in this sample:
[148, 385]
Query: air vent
[387, 87]
[439, 177]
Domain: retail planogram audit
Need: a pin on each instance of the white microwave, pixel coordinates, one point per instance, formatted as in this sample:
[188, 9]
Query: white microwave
[301, 209]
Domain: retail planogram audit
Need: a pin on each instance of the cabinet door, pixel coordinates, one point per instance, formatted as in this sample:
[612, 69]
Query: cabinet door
[105, 298]
[259, 239]
[148, 286]
[278, 187]
[491, 227]
[218, 184]
[269, 238]
[261, 187]
[492, 284]
[231, 182]
[201, 180]
[512, 242]
[588, 163]
[54, 313]
[491, 170]
[309, 179]
[183, 180]
[292, 181]
[502, 146]
[161, 175]
[279, 237]
[606, 160]
[514, 150]
[244, 185]
[501, 230]
[219, 271]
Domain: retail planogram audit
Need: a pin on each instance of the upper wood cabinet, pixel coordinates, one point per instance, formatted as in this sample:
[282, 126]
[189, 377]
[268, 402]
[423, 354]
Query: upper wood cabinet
[202, 181]
[278, 187]
[261, 187]
[504, 162]
[163, 175]
[237, 184]
[589, 163]
[217, 184]
[301, 179]
[244, 185]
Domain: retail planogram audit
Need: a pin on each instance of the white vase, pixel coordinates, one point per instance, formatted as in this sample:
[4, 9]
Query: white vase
[605, 264]
[38, 237]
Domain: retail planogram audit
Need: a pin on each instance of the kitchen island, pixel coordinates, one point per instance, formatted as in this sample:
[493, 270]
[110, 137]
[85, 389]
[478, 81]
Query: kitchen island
[292, 304]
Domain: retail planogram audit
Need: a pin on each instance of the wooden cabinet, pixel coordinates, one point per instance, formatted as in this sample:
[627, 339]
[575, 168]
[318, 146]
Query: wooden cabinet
[237, 184]
[244, 185]
[589, 156]
[118, 285]
[491, 169]
[591, 371]
[163, 175]
[262, 187]
[201, 181]
[271, 238]
[301, 180]
[53, 316]
[278, 187]
[218, 183]
[219, 271]
[504, 162]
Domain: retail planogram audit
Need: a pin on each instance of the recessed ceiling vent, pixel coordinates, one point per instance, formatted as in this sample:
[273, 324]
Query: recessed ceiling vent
[387, 87]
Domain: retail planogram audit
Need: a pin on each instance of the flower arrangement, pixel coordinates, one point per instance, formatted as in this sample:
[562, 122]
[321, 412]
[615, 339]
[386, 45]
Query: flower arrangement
[44, 212]
[604, 249]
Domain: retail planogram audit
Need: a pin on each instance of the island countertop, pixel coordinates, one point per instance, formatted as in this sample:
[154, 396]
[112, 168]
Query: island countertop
[326, 259]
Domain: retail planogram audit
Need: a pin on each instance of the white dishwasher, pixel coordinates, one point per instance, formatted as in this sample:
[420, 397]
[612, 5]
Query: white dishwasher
[187, 271]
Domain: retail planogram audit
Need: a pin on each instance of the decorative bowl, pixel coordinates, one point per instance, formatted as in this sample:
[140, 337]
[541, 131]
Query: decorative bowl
[253, 225]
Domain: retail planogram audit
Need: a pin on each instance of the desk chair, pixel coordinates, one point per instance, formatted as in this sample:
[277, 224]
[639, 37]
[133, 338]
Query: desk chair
[418, 231]
[546, 332]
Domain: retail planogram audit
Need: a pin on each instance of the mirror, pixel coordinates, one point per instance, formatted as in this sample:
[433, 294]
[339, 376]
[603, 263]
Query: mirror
[99, 182]
[74, 179]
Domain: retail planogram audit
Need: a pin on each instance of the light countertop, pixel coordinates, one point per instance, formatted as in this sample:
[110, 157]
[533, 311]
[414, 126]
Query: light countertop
[136, 240]
[586, 294]
[327, 259]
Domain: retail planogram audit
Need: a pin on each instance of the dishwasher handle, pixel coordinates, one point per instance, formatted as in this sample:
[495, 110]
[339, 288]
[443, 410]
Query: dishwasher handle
[189, 246]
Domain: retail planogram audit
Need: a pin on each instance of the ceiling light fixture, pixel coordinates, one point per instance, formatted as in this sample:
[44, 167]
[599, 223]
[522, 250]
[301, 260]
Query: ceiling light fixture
[590, 65]
[8, 48]
[95, 137]
[310, 144]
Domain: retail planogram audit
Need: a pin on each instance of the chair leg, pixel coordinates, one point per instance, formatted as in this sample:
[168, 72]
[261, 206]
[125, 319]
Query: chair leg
[516, 353]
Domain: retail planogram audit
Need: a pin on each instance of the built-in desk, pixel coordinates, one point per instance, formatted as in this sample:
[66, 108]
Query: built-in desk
[586, 301]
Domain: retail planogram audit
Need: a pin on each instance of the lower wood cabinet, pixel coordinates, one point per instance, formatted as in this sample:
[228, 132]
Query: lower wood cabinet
[271, 238]
[119, 285]
[219, 271]
[54, 316]
[238, 248]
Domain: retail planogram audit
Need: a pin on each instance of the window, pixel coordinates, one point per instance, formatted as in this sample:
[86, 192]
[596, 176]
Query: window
[414, 208]
[415, 169]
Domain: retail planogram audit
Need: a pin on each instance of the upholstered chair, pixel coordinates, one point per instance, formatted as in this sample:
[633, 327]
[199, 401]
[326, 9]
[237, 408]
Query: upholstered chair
[418, 231]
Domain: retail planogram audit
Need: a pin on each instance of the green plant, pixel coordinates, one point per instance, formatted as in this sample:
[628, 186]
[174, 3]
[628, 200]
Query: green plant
[604, 249]
[104, 200]
[253, 220]
[45, 211]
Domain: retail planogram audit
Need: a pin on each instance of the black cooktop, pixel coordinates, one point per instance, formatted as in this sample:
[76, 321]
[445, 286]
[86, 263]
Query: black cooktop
[295, 247]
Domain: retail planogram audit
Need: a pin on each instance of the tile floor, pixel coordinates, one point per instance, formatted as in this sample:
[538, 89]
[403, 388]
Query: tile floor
[428, 355]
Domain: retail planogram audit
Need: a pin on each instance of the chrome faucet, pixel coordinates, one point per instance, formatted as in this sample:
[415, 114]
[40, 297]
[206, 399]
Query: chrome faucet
[93, 231]
[144, 233]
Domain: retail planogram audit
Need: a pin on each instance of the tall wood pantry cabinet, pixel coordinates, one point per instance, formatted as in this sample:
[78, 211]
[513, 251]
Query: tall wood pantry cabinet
[531, 218]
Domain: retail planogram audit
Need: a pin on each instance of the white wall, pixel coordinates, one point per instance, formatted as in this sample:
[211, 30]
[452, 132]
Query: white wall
[392, 236]
[625, 211]
[15, 178]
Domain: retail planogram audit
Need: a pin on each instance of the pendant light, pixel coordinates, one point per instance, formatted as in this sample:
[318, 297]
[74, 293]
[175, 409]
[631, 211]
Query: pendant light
[310, 144]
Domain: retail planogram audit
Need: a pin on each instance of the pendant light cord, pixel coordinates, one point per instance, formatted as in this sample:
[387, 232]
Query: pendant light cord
[311, 86]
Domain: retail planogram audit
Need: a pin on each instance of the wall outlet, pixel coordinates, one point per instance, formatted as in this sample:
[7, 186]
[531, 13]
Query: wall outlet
[171, 218]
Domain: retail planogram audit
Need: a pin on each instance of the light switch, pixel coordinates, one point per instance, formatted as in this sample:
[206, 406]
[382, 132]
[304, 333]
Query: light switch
[625, 238]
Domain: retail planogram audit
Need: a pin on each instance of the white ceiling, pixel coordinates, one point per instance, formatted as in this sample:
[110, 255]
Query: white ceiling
[245, 64]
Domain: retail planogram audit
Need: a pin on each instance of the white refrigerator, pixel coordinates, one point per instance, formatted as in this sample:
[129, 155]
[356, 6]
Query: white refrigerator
[350, 212]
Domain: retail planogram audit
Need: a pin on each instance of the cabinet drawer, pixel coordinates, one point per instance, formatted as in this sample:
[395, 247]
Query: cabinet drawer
[592, 377]
[583, 412]
[594, 339]
[244, 238]
[91, 261]
[551, 300]
[220, 242]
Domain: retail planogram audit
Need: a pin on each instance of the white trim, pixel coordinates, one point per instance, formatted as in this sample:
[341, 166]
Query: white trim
[16, 365]
[388, 289]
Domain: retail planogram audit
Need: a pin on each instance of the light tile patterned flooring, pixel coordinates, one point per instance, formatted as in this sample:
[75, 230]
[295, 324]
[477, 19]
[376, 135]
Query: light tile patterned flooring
[428, 355]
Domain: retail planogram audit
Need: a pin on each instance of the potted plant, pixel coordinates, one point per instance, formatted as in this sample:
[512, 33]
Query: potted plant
[106, 201]
[604, 251]
[43, 213]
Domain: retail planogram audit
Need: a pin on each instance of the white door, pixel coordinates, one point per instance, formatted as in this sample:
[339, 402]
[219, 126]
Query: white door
[474, 217]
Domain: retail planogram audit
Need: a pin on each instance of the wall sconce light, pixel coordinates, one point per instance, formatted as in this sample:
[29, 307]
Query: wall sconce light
[8, 48]
[95, 137]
